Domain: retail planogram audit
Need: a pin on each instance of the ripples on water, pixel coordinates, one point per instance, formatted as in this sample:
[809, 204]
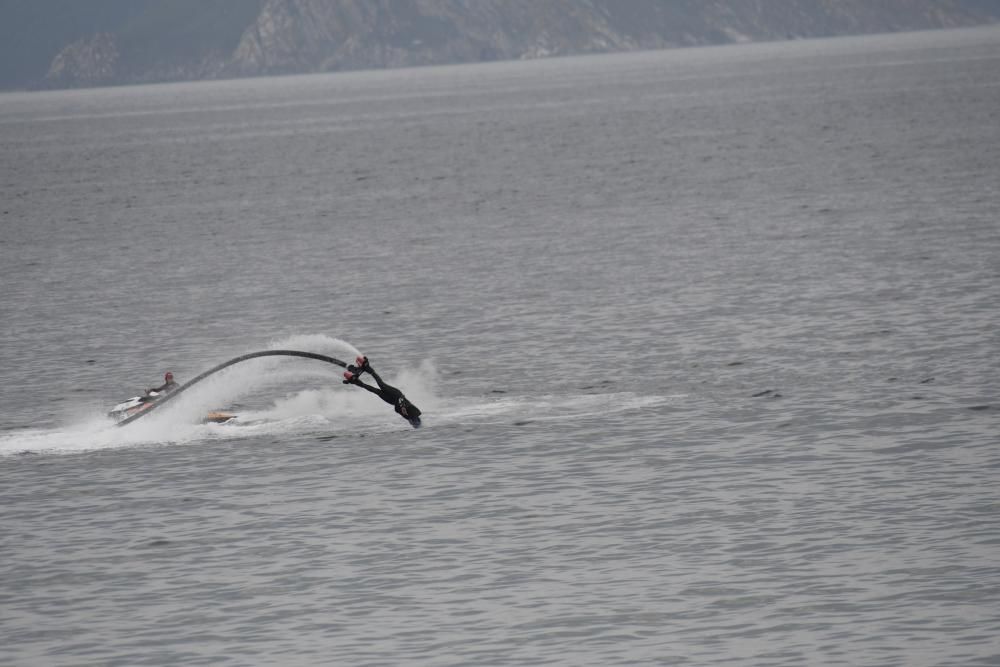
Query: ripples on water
[705, 342]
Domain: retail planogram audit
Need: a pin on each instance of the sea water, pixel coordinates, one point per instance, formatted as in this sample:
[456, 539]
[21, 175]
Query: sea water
[706, 343]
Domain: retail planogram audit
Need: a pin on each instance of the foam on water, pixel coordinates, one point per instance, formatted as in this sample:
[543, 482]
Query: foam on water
[546, 407]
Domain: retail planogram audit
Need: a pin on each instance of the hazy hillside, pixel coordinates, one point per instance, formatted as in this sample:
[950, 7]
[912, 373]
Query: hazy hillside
[154, 39]
[57, 43]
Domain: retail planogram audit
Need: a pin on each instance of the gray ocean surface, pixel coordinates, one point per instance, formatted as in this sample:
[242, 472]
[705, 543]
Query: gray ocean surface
[706, 342]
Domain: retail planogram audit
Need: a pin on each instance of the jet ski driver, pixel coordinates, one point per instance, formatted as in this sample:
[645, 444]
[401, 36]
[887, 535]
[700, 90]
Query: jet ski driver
[168, 386]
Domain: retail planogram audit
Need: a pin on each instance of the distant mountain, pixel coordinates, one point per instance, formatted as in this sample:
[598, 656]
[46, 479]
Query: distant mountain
[66, 43]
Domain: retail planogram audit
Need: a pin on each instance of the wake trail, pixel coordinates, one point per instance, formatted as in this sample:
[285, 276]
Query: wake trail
[329, 411]
[268, 396]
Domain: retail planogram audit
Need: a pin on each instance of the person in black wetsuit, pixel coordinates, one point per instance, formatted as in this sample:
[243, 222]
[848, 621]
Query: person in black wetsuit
[168, 385]
[385, 391]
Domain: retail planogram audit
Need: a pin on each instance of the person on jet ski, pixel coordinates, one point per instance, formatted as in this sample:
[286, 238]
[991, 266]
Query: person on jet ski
[385, 391]
[168, 385]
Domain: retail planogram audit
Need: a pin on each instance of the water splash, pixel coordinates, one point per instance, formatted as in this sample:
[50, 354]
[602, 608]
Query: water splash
[319, 343]
[326, 404]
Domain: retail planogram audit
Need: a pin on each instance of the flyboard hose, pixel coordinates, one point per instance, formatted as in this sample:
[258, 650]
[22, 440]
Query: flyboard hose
[253, 355]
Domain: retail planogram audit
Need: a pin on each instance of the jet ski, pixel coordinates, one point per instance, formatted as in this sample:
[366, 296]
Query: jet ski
[132, 406]
[137, 404]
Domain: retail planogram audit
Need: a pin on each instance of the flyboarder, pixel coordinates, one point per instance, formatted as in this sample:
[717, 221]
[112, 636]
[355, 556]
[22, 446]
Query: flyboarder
[385, 391]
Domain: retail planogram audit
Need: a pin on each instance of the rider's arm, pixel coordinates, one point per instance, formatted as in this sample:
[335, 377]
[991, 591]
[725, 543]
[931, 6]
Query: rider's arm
[368, 387]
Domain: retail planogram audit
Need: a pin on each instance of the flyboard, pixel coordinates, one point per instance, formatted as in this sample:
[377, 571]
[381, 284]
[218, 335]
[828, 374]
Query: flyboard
[139, 406]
